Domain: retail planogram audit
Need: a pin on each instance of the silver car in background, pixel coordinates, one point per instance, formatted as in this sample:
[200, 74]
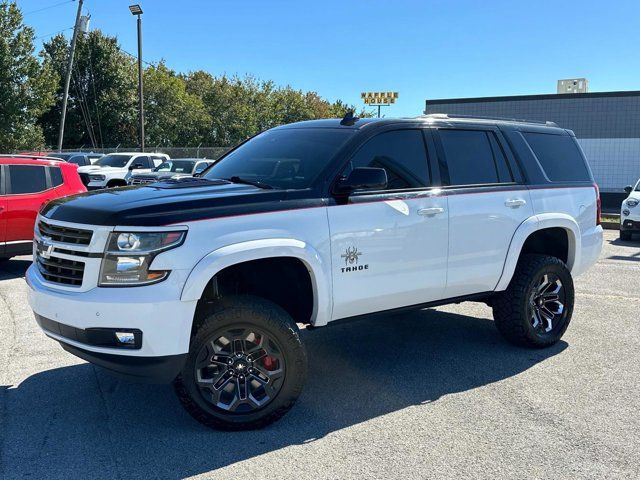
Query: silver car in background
[174, 168]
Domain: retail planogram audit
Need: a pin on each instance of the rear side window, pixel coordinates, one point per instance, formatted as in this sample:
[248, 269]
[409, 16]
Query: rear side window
[473, 157]
[558, 156]
[401, 153]
[26, 179]
[79, 160]
[56, 176]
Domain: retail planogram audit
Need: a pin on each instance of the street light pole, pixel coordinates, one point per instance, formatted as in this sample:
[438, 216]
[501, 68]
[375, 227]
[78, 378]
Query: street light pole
[137, 11]
[67, 80]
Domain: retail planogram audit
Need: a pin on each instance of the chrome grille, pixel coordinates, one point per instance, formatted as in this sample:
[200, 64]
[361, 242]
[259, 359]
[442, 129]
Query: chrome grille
[60, 270]
[61, 234]
[142, 180]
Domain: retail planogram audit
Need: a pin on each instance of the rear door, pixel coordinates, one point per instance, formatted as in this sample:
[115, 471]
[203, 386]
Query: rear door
[389, 247]
[26, 187]
[487, 203]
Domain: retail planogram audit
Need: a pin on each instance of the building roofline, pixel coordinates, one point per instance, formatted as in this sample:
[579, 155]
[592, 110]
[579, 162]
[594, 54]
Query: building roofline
[546, 96]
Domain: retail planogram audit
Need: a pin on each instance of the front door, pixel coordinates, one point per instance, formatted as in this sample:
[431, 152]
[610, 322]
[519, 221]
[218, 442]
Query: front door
[389, 248]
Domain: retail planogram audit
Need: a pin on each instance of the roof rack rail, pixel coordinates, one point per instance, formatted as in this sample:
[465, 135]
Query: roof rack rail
[484, 117]
[30, 157]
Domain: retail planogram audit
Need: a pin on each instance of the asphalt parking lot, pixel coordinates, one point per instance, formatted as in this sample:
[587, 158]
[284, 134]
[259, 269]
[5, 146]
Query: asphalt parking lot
[431, 394]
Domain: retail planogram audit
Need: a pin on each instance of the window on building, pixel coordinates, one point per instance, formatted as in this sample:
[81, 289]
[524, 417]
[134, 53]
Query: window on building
[27, 179]
[401, 153]
[474, 157]
[558, 156]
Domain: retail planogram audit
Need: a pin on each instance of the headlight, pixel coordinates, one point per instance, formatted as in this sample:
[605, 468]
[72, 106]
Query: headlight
[129, 254]
[97, 178]
[632, 202]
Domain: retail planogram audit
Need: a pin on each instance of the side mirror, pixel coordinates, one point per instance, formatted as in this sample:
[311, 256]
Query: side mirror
[364, 178]
[135, 166]
[628, 189]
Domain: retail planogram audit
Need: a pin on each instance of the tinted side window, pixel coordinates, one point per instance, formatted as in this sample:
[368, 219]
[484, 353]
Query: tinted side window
[559, 157]
[56, 176]
[144, 161]
[401, 153]
[79, 160]
[200, 167]
[27, 179]
[470, 157]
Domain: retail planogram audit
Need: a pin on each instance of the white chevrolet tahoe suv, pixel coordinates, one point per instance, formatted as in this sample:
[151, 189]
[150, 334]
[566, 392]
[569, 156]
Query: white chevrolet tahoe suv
[630, 212]
[114, 169]
[205, 281]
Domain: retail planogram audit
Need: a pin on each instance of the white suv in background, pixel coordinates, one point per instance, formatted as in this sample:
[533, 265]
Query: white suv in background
[114, 170]
[630, 212]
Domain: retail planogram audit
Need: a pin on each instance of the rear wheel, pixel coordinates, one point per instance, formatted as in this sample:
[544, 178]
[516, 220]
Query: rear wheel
[536, 308]
[625, 235]
[246, 366]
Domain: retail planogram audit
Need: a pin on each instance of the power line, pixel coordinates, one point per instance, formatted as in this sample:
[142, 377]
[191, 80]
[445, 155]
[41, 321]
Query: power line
[47, 8]
[135, 56]
[53, 33]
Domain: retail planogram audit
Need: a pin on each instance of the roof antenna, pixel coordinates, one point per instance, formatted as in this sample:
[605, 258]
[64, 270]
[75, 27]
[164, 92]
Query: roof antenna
[348, 120]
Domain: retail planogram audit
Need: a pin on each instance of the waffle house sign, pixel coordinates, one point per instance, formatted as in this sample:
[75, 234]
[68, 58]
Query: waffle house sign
[379, 98]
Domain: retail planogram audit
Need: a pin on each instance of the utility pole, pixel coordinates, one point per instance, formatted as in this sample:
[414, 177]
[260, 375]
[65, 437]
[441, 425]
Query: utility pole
[67, 79]
[137, 11]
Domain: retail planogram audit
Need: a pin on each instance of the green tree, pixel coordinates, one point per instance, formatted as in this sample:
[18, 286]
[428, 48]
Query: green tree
[26, 85]
[174, 117]
[102, 108]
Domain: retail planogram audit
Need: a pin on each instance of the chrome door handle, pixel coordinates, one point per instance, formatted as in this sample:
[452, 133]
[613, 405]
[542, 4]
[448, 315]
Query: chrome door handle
[515, 203]
[427, 212]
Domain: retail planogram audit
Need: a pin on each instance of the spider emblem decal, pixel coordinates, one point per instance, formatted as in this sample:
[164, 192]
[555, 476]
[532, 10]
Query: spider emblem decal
[351, 256]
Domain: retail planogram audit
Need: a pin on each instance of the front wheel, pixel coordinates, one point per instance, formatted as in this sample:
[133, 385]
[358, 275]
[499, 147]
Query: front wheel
[246, 366]
[536, 308]
[625, 235]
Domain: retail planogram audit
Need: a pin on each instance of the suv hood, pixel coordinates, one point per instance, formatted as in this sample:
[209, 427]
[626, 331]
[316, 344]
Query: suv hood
[103, 170]
[173, 201]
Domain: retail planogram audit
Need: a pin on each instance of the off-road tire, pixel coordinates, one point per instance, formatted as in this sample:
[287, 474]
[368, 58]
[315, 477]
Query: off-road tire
[242, 311]
[511, 307]
[625, 235]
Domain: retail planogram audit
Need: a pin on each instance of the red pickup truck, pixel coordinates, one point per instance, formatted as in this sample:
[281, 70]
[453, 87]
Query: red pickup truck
[26, 183]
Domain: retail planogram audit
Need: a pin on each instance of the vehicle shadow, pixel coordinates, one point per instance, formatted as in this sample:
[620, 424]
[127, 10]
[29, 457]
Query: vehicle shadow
[14, 268]
[84, 420]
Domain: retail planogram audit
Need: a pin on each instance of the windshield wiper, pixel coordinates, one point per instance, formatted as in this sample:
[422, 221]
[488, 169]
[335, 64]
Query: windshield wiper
[255, 183]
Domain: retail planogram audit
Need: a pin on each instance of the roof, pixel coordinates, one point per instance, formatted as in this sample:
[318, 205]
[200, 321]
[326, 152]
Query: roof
[18, 160]
[546, 96]
[437, 118]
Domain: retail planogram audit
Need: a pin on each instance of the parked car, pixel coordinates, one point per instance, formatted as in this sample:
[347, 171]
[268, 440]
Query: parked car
[630, 212]
[114, 169]
[203, 281]
[81, 159]
[25, 185]
[171, 169]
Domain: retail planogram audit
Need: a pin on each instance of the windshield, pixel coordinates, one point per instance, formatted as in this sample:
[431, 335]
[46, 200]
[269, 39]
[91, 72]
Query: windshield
[62, 156]
[287, 158]
[176, 166]
[117, 160]
[638, 186]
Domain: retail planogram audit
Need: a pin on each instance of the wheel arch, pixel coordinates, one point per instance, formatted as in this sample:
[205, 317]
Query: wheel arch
[228, 256]
[536, 224]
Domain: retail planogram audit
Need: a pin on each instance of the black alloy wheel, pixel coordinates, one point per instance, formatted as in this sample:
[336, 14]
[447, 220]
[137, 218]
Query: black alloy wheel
[240, 370]
[246, 365]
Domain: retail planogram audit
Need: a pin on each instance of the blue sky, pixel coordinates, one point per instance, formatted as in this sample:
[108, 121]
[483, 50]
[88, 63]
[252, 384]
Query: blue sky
[422, 49]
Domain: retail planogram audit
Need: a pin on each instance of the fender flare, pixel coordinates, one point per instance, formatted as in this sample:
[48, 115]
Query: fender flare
[236, 253]
[533, 224]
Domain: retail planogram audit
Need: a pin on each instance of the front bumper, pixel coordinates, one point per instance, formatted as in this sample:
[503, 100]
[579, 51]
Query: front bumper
[629, 225]
[155, 310]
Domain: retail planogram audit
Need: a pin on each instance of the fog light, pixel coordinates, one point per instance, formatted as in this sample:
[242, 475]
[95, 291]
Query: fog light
[126, 338]
[626, 212]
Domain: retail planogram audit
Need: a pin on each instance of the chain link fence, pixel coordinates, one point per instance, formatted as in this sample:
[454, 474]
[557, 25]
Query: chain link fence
[174, 152]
